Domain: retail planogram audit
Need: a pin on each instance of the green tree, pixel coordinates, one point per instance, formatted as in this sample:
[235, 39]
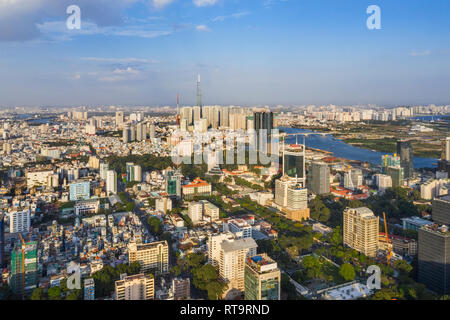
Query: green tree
[347, 272]
[54, 293]
[38, 294]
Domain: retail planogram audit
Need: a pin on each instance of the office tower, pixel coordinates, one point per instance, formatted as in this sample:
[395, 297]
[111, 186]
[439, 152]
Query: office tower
[126, 134]
[360, 230]
[297, 197]
[262, 278]
[353, 178]
[404, 149]
[389, 161]
[233, 255]
[294, 162]
[119, 119]
[441, 210]
[89, 289]
[104, 167]
[130, 172]
[195, 212]
[19, 221]
[199, 97]
[181, 289]
[173, 183]
[2, 239]
[135, 287]
[80, 190]
[111, 182]
[263, 125]
[319, 178]
[434, 258]
[153, 257]
[24, 268]
[397, 175]
[291, 197]
[447, 149]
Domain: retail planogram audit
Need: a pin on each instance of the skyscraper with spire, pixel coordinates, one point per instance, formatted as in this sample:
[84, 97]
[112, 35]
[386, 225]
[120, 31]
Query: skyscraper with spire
[199, 96]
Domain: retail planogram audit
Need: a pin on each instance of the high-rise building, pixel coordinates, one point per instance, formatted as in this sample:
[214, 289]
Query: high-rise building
[360, 230]
[262, 278]
[404, 149]
[89, 289]
[195, 212]
[233, 255]
[441, 210]
[173, 183]
[111, 182]
[152, 131]
[294, 162]
[80, 190]
[319, 178]
[135, 287]
[19, 221]
[153, 257]
[119, 119]
[104, 167]
[292, 198]
[397, 175]
[353, 178]
[264, 123]
[126, 134]
[24, 268]
[434, 258]
[389, 161]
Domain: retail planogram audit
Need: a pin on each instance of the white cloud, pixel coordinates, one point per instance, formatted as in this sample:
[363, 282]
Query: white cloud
[202, 28]
[119, 74]
[204, 3]
[420, 54]
[19, 19]
[56, 30]
[236, 15]
[161, 3]
[118, 60]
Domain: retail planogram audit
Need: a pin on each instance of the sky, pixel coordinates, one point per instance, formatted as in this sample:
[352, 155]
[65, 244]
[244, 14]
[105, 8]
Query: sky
[248, 52]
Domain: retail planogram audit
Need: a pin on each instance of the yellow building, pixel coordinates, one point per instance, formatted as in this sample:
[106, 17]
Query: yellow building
[360, 230]
[153, 257]
[136, 287]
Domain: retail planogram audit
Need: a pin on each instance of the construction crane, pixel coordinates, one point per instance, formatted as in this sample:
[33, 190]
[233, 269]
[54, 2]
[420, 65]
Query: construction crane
[23, 265]
[389, 251]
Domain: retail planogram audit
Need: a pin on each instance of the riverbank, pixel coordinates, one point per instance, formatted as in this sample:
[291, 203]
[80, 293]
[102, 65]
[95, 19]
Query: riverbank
[420, 149]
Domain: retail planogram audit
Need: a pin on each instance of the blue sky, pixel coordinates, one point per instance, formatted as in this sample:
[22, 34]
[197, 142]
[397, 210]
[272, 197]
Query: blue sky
[248, 52]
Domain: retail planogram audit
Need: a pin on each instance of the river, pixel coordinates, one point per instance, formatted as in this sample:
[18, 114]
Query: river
[346, 151]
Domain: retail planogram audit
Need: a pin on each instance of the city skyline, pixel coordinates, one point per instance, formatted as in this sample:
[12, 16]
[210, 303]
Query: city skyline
[257, 52]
